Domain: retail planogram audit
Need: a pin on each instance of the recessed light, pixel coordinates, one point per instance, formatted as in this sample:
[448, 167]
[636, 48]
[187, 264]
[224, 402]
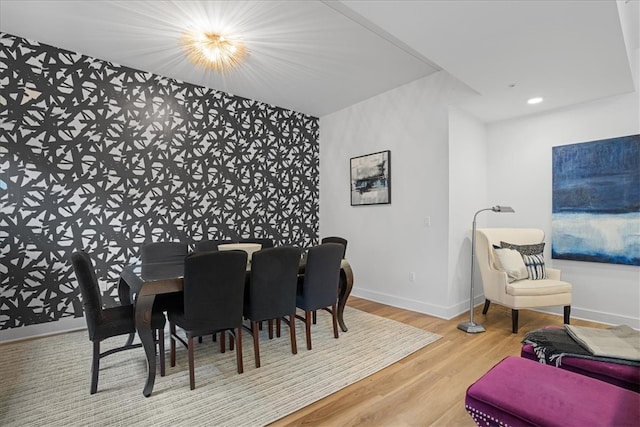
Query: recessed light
[535, 100]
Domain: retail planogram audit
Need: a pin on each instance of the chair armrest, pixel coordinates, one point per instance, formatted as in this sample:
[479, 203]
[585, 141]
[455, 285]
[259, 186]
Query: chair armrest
[553, 273]
[494, 284]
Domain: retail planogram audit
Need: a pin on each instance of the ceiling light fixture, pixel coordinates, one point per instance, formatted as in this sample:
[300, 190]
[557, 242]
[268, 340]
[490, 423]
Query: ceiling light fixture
[212, 49]
[535, 100]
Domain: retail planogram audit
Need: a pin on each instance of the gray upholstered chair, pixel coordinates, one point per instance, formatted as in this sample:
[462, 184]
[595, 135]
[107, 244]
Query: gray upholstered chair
[517, 294]
[271, 293]
[336, 239]
[211, 245]
[318, 287]
[213, 302]
[103, 323]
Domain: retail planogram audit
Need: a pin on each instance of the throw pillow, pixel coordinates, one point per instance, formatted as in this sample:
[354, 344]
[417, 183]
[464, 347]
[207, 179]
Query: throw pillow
[533, 258]
[535, 266]
[536, 248]
[511, 262]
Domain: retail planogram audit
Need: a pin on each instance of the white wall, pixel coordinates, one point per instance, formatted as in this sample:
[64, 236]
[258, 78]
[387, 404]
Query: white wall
[389, 242]
[519, 166]
[445, 165]
[467, 194]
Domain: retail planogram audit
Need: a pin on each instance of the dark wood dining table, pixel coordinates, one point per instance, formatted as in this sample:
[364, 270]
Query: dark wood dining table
[145, 281]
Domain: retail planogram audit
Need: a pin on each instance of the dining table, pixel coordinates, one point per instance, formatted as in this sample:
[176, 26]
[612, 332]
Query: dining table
[140, 283]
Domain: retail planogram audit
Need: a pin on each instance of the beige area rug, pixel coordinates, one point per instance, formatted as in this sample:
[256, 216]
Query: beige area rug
[46, 381]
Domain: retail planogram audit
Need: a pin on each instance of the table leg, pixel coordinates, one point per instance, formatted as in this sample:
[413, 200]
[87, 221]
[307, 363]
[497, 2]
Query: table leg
[144, 306]
[344, 289]
[124, 293]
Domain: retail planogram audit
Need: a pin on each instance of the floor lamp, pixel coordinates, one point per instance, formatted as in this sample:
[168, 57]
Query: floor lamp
[472, 327]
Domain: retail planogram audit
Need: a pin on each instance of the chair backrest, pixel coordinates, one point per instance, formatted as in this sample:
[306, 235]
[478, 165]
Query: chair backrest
[164, 252]
[336, 239]
[274, 277]
[211, 245]
[266, 243]
[88, 283]
[214, 289]
[321, 276]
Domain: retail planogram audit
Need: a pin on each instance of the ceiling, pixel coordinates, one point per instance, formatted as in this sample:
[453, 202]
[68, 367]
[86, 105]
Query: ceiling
[318, 57]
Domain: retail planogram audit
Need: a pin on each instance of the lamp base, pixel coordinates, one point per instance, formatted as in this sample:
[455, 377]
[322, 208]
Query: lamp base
[471, 327]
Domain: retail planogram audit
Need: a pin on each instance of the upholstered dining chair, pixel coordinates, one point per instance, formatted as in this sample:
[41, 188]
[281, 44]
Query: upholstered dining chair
[213, 302]
[271, 293]
[525, 288]
[336, 239]
[266, 243]
[103, 323]
[318, 287]
[164, 252]
[211, 245]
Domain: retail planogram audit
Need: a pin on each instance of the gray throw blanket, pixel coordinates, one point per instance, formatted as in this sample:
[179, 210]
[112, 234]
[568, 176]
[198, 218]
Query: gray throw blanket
[551, 345]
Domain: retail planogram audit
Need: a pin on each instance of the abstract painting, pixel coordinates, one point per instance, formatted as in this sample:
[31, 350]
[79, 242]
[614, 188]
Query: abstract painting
[370, 179]
[596, 201]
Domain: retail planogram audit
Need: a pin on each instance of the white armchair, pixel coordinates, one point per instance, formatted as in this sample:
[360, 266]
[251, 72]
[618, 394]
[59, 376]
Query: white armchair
[518, 294]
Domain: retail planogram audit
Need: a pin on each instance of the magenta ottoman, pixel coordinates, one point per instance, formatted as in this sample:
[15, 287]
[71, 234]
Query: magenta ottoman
[521, 392]
[614, 373]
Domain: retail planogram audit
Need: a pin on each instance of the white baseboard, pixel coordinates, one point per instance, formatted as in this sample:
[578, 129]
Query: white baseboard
[43, 329]
[459, 308]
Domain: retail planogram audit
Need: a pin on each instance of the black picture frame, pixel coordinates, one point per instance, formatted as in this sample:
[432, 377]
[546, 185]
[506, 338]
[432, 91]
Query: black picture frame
[371, 179]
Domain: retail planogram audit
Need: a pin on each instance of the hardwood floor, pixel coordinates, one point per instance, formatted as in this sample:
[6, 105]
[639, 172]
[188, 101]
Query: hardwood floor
[428, 387]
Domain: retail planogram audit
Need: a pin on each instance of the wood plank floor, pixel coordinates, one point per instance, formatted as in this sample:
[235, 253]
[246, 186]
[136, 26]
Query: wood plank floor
[428, 387]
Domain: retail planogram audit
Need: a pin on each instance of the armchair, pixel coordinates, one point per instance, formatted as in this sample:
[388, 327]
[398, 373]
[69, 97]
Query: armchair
[525, 293]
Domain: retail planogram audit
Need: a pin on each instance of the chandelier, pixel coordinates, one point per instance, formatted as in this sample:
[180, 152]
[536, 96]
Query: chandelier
[212, 49]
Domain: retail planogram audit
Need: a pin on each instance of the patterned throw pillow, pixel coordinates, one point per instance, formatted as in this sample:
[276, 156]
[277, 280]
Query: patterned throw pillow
[533, 258]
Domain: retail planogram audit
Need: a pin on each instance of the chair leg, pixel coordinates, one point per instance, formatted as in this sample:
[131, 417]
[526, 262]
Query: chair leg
[292, 331]
[278, 326]
[487, 303]
[334, 316]
[307, 324]
[130, 339]
[192, 375]
[223, 343]
[315, 316]
[567, 314]
[256, 346]
[161, 351]
[95, 367]
[270, 326]
[514, 321]
[172, 343]
[239, 349]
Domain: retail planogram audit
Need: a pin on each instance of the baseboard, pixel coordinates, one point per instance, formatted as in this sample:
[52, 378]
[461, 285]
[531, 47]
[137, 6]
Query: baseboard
[449, 313]
[42, 329]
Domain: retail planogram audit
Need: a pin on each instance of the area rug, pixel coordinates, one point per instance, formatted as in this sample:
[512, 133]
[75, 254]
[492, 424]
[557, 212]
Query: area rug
[46, 381]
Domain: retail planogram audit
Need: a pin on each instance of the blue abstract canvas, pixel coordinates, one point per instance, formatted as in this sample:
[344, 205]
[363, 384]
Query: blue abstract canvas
[596, 201]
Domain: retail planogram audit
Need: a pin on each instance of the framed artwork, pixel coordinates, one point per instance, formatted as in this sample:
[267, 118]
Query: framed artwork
[596, 201]
[371, 179]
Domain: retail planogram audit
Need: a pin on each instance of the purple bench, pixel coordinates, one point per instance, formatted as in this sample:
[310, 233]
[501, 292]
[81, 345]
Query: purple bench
[625, 376]
[521, 392]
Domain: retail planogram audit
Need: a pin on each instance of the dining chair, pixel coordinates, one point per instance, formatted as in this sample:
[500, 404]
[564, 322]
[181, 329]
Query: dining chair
[159, 252]
[213, 302]
[271, 293]
[265, 242]
[336, 239]
[318, 286]
[164, 252]
[211, 245]
[103, 323]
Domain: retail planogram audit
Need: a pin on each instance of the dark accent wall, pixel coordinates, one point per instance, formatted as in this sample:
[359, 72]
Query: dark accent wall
[105, 158]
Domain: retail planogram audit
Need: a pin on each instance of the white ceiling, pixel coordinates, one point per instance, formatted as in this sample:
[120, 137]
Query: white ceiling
[318, 57]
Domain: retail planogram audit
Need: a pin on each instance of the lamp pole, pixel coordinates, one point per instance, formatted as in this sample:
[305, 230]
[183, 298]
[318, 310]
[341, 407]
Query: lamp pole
[472, 327]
